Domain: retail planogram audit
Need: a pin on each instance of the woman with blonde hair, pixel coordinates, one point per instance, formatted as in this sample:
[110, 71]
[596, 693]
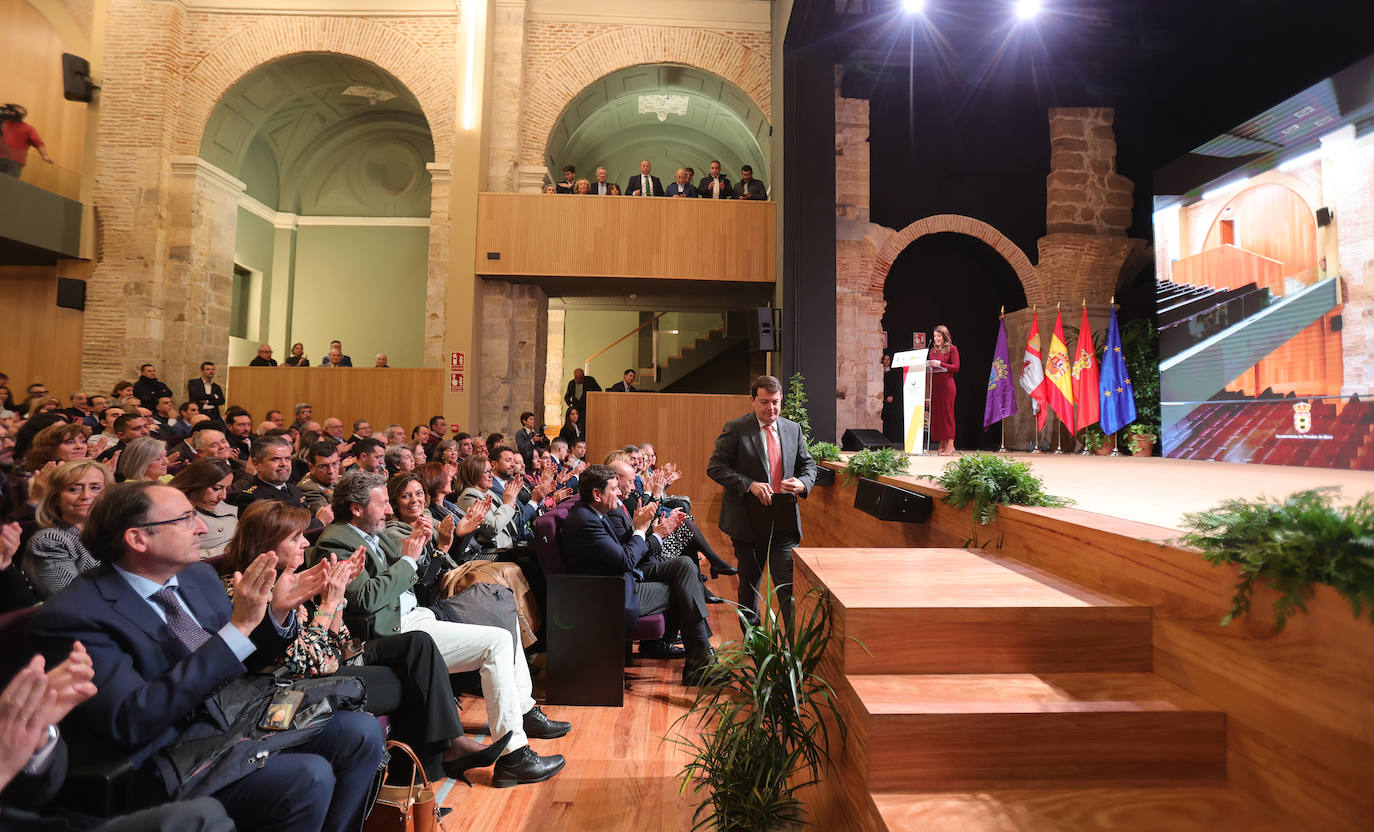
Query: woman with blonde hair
[55, 555]
[143, 459]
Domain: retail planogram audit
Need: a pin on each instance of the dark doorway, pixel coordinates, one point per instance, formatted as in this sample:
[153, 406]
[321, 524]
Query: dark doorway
[961, 282]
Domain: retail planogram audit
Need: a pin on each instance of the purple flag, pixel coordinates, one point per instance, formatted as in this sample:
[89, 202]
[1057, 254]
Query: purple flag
[1001, 389]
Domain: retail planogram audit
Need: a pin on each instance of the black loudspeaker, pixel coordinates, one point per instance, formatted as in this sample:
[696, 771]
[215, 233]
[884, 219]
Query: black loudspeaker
[1336, 323]
[76, 78]
[886, 502]
[762, 335]
[1323, 217]
[71, 294]
[861, 440]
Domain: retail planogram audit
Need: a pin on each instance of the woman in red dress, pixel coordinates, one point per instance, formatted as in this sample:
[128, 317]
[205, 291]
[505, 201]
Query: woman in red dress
[943, 354]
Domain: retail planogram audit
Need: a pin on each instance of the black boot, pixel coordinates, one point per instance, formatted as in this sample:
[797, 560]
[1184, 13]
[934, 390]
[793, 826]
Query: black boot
[524, 766]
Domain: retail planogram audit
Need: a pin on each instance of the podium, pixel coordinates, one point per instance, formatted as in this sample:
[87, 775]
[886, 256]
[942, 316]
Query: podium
[916, 377]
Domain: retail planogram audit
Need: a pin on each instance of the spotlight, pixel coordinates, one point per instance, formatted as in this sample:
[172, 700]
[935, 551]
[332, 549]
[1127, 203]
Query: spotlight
[913, 6]
[1027, 9]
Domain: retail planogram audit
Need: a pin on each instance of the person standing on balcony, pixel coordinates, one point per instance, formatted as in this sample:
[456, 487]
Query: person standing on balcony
[683, 185]
[716, 185]
[567, 186]
[19, 137]
[645, 184]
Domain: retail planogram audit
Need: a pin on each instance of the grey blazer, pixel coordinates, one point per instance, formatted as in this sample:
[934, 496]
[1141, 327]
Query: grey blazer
[739, 460]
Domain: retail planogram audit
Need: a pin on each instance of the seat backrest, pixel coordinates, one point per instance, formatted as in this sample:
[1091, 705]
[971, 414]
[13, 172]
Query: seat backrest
[546, 530]
[15, 648]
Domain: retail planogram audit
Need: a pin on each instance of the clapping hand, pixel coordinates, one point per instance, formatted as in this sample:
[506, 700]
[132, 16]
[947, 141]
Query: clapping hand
[253, 591]
[9, 543]
[70, 683]
[668, 523]
[446, 529]
[420, 534]
[24, 704]
[511, 494]
[473, 518]
[295, 588]
[644, 516]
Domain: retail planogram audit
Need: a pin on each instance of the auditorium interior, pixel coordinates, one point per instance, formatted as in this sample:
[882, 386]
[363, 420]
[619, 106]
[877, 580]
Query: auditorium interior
[380, 184]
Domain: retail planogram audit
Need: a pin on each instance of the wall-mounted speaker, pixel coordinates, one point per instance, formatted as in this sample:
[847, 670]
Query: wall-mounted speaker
[76, 78]
[762, 332]
[887, 502]
[859, 439]
[1323, 217]
[71, 294]
[1336, 323]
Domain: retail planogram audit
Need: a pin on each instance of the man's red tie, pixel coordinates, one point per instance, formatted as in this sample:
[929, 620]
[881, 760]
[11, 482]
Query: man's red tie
[774, 458]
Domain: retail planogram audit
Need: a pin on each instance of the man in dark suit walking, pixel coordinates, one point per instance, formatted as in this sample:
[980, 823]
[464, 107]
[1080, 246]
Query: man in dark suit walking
[578, 388]
[163, 637]
[762, 461]
[644, 184]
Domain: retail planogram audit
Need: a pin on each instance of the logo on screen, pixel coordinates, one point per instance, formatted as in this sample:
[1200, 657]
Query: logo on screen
[1302, 417]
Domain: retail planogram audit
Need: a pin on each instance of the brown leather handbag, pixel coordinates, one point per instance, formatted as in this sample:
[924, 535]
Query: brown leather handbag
[412, 808]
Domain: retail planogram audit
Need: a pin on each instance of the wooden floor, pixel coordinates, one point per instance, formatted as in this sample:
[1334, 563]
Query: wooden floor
[1158, 491]
[622, 767]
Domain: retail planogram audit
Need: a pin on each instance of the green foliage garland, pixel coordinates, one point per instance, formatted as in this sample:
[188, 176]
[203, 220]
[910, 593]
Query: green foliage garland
[874, 463]
[794, 404]
[988, 480]
[824, 451]
[1289, 545]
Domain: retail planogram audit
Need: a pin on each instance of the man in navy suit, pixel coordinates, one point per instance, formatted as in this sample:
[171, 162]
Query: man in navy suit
[163, 637]
[762, 461]
[594, 543]
[645, 184]
[683, 186]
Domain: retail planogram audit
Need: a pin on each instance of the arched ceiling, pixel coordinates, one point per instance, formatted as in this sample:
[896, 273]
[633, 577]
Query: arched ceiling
[710, 118]
[324, 134]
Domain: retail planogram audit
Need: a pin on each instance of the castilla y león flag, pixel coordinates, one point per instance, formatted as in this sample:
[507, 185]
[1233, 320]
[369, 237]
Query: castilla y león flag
[1001, 401]
[1085, 375]
[1059, 375]
[1033, 374]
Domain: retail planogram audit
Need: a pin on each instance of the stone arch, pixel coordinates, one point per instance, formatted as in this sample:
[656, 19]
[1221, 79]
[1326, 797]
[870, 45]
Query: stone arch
[958, 224]
[567, 75]
[430, 81]
[1308, 195]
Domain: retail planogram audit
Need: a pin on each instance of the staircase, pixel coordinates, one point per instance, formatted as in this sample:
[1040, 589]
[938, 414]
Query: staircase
[701, 352]
[983, 695]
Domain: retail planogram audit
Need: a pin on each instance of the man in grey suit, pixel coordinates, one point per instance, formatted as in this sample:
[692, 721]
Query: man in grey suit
[762, 461]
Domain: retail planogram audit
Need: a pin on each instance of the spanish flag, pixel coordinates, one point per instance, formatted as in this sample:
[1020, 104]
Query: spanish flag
[1059, 375]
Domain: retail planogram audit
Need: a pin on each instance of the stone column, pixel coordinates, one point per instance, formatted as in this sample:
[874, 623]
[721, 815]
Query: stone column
[529, 179]
[554, 382]
[436, 285]
[197, 293]
[513, 343]
[508, 62]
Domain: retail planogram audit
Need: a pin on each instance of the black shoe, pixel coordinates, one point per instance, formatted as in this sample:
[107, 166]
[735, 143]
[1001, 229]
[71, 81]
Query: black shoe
[701, 673]
[660, 649]
[724, 569]
[457, 769]
[524, 766]
[713, 599]
[540, 727]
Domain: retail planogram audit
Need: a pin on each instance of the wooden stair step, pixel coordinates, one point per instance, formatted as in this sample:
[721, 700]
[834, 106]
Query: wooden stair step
[1013, 730]
[1189, 809]
[962, 611]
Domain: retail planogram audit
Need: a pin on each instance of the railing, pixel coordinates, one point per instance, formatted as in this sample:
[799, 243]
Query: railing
[586, 365]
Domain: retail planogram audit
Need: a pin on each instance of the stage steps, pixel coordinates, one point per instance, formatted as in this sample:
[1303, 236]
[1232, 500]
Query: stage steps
[962, 671]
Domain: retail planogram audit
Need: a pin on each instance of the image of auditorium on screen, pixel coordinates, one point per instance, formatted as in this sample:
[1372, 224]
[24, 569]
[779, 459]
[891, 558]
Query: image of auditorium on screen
[1264, 247]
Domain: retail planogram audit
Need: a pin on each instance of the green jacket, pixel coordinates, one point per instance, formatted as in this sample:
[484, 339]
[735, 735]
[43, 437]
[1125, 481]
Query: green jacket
[374, 597]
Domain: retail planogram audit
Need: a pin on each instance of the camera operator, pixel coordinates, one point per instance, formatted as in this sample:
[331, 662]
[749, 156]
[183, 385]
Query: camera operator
[18, 138]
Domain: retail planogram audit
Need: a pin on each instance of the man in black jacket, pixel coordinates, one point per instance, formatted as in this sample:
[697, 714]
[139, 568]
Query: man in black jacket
[148, 389]
[578, 388]
[272, 457]
[204, 392]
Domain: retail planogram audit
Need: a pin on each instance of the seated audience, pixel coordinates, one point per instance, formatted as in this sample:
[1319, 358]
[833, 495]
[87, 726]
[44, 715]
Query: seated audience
[239, 431]
[205, 483]
[122, 390]
[144, 460]
[362, 429]
[500, 527]
[615, 189]
[748, 187]
[399, 460]
[395, 435]
[380, 362]
[272, 459]
[577, 452]
[263, 358]
[128, 427]
[297, 357]
[59, 442]
[601, 538]
[682, 186]
[382, 600]
[405, 674]
[494, 442]
[447, 452]
[420, 434]
[582, 187]
[417, 450]
[303, 413]
[371, 455]
[524, 437]
[572, 427]
[185, 420]
[626, 383]
[16, 593]
[54, 556]
[164, 639]
[317, 487]
[336, 356]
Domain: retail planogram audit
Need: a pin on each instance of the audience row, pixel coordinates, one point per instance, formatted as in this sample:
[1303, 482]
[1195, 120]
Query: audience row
[715, 185]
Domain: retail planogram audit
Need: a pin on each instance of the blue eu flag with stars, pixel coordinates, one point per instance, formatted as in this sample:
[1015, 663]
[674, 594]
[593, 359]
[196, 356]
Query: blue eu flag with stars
[1114, 386]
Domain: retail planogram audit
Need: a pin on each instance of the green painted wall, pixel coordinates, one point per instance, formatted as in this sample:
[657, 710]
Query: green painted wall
[587, 331]
[364, 286]
[253, 249]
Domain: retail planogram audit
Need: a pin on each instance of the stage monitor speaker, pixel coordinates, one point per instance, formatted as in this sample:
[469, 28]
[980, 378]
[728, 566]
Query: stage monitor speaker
[1323, 217]
[76, 78]
[71, 294]
[858, 439]
[887, 502]
[762, 334]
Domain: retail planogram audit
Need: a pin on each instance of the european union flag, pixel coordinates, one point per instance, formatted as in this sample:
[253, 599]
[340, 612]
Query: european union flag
[1114, 387]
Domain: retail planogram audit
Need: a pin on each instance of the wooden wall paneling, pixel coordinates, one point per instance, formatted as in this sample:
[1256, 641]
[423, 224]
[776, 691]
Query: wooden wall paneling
[1300, 721]
[682, 427]
[1228, 267]
[31, 65]
[405, 395]
[1271, 220]
[688, 239]
[43, 341]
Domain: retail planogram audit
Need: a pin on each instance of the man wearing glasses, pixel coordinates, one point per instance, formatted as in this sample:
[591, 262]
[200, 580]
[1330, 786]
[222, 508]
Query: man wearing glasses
[163, 638]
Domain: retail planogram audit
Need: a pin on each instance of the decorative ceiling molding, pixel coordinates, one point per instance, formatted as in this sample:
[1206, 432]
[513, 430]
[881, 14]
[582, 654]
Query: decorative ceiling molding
[746, 15]
[287, 221]
[330, 8]
[194, 166]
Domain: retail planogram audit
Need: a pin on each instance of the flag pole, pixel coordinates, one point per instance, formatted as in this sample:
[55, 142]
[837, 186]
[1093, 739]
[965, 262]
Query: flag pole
[1002, 316]
[1116, 446]
[1084, 450]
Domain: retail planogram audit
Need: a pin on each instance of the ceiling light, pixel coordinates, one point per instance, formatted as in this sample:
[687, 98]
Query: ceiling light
[1026, 9]
[913, 6]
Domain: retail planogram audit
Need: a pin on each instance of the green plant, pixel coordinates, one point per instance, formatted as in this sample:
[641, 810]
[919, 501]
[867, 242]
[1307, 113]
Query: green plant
[874, 463]
[824, 451]
[1289, 545]
[1137, 433]
[1140, 349]
[763, 737]
[1093, 438]
[794, 404]
[987, 481]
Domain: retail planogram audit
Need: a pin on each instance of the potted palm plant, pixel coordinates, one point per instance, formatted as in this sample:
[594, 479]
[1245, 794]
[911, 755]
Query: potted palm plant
[763, 734]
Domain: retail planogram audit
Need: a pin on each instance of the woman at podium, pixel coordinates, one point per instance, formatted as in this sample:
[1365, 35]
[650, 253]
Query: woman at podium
[943, 356]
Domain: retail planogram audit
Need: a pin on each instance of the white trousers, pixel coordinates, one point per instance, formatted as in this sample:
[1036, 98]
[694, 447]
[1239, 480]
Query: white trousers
[490, 650]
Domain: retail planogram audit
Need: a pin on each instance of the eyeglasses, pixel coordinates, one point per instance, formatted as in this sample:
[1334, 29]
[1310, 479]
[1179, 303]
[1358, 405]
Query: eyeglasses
[185, 518]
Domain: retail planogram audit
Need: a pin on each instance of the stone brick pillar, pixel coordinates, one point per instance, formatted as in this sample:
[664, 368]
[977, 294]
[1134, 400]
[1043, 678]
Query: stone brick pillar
[436, 285]
[554, 382]
[198, 286]
[512, 346]
[529, 179]
[507, 67]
